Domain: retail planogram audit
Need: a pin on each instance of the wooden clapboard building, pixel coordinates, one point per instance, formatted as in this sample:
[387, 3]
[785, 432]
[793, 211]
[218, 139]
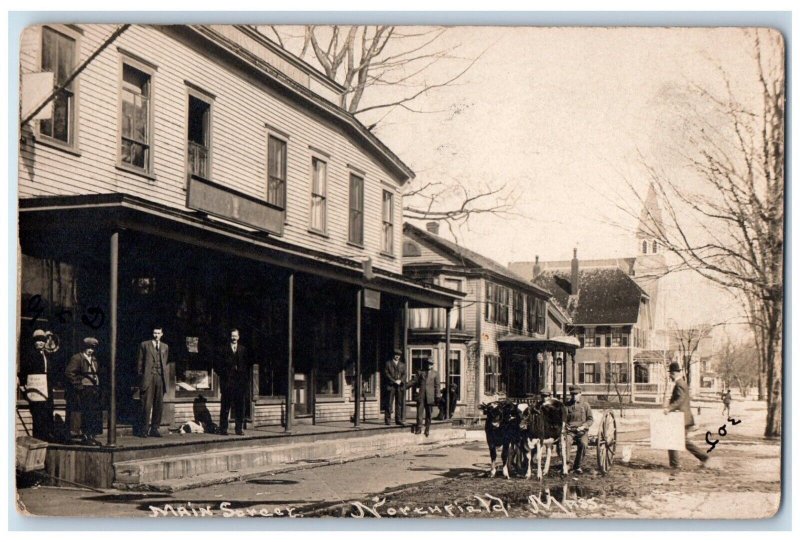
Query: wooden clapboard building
[506, 336]
[201, 178]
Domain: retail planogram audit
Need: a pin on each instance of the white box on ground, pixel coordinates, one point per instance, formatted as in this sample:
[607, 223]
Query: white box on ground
[667, 431]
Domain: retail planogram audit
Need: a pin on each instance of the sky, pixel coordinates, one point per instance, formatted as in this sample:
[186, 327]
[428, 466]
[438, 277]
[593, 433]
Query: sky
[564, 117]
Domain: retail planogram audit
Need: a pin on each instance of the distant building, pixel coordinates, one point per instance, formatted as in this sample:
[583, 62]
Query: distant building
[617, 312]
[504, 334]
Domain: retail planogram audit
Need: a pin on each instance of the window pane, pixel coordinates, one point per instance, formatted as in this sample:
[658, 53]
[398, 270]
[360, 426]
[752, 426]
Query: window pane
[60, 124]
[58, 56]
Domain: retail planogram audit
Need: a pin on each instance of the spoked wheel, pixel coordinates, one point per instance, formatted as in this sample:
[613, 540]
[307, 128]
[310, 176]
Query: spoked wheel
[606, 442]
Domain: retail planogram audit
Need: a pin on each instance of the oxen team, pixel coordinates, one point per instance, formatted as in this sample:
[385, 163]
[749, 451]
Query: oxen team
[534, 427]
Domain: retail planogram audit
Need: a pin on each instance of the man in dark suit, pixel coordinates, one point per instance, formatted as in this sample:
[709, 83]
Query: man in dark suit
[680, 401]
[234, 378]
[428, 383]
[151, 363]
[40, 403]
[84, 398]
[394, 374]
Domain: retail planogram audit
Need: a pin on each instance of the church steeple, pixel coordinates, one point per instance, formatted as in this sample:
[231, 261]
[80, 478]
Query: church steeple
[650, 225]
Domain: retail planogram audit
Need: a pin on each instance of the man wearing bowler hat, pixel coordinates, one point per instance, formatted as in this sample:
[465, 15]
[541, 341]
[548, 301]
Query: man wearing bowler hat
[394, 374]
[85, 399]
[680, 401]
[579, 420]
[40, 402]
[428, 383]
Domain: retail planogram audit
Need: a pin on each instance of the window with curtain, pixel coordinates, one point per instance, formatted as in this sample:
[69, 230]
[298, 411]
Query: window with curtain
[387, 240]
[136, 133]
[616, 372]
[455, 371]
[456, 315]
[356, 222]
[59, 53]
[541, 316]
[420, 319]
[490, 302]
[589, 373]
[319, 194]
[276, 172]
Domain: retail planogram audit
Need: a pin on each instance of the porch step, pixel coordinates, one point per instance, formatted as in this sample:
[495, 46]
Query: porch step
[173, 473]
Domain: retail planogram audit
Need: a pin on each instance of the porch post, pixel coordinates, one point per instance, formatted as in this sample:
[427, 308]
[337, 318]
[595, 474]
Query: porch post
[554, 365]
[357, 379]
[404, 346]
[447, 364]
[113, 291]
[564, 375]
[290, 352]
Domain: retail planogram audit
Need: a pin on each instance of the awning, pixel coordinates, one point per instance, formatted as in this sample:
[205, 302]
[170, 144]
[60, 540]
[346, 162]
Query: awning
[558, 342]
[61, 214]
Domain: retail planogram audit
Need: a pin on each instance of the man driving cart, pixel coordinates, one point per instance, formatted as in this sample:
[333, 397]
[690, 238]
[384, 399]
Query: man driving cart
[579, 420]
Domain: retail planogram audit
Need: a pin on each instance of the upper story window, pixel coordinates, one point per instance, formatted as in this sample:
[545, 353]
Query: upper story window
[356, 223]
[456, 315]
[59, 52]
[519, 310]
[531, 313]
[644, 247]
[497, 303]
[136, 130]
[387, 240]
[276, 172]
[199, 136]
[319, 194]
[541, 316]
[655, 247]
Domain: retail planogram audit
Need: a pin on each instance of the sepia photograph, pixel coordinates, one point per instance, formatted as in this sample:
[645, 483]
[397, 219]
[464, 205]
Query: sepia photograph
[399, 271]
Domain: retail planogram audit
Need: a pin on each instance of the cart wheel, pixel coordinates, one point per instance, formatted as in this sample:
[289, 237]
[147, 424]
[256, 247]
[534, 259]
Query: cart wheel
[606, 442]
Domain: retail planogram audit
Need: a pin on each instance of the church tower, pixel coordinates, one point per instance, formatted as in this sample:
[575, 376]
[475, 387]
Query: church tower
[651, 265]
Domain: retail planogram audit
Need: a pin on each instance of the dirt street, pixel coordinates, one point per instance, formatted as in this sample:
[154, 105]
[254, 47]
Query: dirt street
[454, 482]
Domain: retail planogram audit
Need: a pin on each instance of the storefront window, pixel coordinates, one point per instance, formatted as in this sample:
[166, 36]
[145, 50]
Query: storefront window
[193, 371]
[329, 379]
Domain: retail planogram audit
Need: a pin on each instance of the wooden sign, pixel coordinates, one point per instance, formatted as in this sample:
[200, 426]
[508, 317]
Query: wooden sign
[667, 431]
[223, 202]
[372, 299]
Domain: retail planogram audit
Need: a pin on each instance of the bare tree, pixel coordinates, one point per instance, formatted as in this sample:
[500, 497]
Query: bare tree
[724, 209]
[687, 340]
[735, 365]
[386, 68]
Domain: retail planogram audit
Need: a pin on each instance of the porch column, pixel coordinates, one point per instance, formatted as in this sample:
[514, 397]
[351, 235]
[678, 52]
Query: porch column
[564, 374]
[447, 364]
[574, 380]
[290, 352]
[404, 346]
[357, 379]
[113, 292]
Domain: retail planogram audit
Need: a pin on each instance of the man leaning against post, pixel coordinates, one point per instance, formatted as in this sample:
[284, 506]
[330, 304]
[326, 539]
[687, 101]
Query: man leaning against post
[680, 401]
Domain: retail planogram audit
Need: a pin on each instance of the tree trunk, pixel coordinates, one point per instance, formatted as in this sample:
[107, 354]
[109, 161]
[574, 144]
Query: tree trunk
[774, 400]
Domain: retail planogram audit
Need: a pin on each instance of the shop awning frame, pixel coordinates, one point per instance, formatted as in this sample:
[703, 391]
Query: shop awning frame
[119, 211]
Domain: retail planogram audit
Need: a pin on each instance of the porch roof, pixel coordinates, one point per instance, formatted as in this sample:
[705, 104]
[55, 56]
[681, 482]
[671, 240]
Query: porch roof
[560, 341]
[654, 356]
[60, 214]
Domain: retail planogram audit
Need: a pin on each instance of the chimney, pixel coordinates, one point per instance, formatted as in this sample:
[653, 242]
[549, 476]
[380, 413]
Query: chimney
[537, 269]
[574, 282]
[432, 227]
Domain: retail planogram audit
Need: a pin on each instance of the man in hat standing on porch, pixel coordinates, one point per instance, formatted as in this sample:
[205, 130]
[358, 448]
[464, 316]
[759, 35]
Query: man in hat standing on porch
[579, 420]
[85, 400]
[680, 401]
[151, 362]
[428, 382]
[234, 380]
[40, 401]
[394, 374]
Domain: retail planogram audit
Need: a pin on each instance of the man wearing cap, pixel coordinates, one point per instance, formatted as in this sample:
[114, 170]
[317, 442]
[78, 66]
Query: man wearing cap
[579, 420]
[428, 383]
[394, 374]
[151, 363]
[40, 402]
[84, 400]
[680, 401]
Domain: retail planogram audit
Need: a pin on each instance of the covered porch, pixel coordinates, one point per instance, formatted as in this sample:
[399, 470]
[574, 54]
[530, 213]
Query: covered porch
[531, 364]
[318, 326]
